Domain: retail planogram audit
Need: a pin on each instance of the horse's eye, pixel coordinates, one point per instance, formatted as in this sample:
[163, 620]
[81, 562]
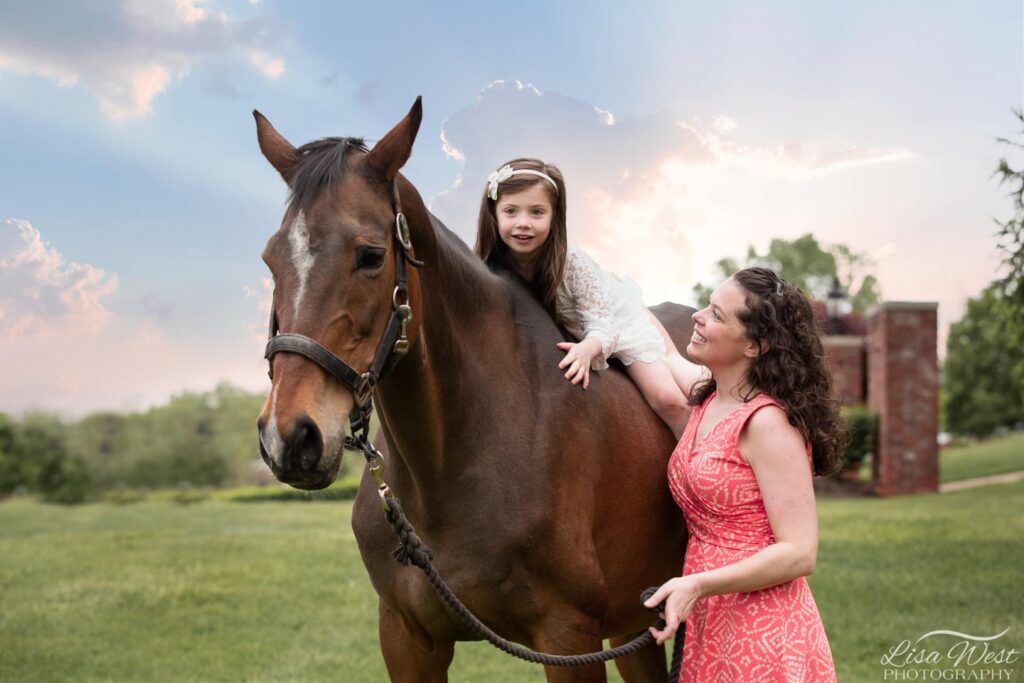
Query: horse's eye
[369, 259]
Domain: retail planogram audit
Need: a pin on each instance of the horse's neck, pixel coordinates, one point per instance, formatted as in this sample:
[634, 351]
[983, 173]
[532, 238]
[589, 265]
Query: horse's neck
[465, 315]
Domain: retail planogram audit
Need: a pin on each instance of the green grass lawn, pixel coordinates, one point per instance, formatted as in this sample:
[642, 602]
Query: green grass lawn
[994, 456]
[220, 591]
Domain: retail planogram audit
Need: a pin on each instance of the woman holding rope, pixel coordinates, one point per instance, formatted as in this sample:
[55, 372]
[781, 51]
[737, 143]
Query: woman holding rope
[762, 426]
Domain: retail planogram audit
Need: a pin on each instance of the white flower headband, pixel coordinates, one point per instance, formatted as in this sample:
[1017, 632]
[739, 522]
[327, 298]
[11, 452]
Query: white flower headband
[506, 172]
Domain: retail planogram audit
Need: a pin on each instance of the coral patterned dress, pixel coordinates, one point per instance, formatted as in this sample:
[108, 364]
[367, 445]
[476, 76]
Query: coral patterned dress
[774, 634]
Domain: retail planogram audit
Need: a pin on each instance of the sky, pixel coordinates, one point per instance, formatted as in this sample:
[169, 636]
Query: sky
[134, 201]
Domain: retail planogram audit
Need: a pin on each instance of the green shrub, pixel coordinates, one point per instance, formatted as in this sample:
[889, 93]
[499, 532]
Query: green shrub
[186, 494]
[862, 426]
[66, 481]
[123, 495]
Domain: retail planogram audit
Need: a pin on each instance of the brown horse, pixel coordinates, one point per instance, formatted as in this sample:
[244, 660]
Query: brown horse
[546, 507]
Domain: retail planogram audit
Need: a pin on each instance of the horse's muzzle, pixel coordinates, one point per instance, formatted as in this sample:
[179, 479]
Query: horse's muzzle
[301, 461]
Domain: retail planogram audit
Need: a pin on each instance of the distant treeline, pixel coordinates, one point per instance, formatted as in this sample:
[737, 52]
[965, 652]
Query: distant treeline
[197, 440]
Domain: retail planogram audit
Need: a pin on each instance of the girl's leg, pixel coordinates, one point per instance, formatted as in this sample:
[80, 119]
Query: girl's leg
[661, 391]
[685, 373]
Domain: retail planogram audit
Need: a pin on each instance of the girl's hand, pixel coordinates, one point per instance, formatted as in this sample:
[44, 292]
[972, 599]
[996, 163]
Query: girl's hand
[577, 360]
[680, 595]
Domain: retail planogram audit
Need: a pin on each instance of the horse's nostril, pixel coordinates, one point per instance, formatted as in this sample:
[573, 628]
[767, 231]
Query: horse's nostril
[305, 446]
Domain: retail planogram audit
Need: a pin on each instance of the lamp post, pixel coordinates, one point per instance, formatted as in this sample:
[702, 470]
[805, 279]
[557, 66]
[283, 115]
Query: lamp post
[837, 305]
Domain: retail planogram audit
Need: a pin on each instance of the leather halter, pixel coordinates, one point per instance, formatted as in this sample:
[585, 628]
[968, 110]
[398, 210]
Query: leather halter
[393, 345]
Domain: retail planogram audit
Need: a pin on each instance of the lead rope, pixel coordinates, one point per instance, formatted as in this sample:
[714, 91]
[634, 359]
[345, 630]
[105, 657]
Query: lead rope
[411, 549]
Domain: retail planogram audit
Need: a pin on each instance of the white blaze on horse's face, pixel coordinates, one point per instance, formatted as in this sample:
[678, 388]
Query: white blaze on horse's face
[302, 258]
[269, 435]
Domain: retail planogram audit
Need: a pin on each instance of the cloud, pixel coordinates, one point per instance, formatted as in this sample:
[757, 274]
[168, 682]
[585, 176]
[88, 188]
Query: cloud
[125, 54]
[263, 293]
[42, 293]
[654, 198]
[366, 93]
[330, 80]
[154, 306]
[128, 365]
[271, 67]
[723, 124]
[66, 351]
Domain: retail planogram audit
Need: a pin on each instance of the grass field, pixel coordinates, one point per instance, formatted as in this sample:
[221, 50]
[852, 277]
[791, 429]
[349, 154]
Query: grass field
[274, 591]
[995, 456]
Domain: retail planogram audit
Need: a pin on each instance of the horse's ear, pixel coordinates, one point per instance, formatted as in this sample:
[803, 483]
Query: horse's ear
[278, 151]
[393, 150]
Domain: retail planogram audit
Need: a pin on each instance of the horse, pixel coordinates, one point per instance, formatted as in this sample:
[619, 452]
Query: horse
[546, 507]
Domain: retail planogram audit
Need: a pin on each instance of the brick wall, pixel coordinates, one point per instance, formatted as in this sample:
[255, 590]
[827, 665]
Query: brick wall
[846, 359]
[903, 389]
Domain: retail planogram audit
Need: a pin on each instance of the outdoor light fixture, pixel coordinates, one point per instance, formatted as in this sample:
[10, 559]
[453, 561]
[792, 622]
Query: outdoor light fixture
[836, 304]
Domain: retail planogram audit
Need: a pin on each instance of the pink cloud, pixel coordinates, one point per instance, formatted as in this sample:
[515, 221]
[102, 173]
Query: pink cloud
[69, 353]
[43, 294]
[128, 365]
[656, 199]
[661, 199]
[134, 50]
[269, 66]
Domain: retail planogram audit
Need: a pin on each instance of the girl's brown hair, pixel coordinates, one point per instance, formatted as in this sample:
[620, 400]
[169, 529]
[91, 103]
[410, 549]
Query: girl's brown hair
[549, 266]
[791, 368]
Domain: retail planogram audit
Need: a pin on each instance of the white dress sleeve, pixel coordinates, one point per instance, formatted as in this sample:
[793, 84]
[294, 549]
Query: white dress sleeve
[586, 283]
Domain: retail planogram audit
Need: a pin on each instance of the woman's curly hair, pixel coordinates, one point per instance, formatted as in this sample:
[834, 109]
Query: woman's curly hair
[791, 368]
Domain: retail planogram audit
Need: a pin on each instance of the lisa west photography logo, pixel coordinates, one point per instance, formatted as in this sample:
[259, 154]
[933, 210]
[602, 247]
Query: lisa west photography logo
[952, 656]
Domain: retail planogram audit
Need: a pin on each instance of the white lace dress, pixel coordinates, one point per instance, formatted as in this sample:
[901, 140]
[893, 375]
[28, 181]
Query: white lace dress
[596, 304]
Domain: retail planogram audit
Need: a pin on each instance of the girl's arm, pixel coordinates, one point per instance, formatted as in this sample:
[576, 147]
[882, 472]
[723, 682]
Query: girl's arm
[685, 373]
[586, 284]
[777, 454]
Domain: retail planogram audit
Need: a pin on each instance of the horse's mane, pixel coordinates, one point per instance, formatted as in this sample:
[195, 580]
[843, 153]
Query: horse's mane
[321, 166]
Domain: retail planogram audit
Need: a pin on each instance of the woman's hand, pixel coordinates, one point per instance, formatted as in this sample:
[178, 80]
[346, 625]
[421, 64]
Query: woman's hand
[680, 595]
[577, 359]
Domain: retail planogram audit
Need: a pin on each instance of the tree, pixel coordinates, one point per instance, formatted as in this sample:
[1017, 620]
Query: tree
[40, 447]
[806, 263]
[1011, 232]
[12, 471]
[983, 375]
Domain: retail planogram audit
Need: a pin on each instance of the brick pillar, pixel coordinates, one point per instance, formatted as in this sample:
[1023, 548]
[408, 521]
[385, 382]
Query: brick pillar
[845, 356]
[903, 389]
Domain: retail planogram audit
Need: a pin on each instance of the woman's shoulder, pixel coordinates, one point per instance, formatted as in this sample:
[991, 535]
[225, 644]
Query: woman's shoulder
[766, 414]
[766, 426]
[764, 410]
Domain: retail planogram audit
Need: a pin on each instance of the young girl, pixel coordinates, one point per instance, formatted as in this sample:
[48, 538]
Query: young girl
[761, 427]
[522, 228]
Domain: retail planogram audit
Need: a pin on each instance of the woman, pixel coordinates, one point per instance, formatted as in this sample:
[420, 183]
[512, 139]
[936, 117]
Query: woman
[762, 425]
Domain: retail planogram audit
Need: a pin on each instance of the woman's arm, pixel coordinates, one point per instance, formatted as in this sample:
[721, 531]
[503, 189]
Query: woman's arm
[777, 453]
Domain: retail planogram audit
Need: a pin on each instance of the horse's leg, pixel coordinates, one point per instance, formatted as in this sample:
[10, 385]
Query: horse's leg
[407, 658]
[569, 634]
[647, 664]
